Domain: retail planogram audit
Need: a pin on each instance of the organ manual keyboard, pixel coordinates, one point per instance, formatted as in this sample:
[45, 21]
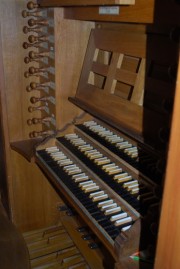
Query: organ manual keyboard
[108, 193]
[109, 166]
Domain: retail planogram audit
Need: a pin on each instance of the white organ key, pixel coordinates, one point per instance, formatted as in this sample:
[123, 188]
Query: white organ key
[132, 187]
[115, 171]
[118, 216]
[89, 123]
[135, 191]
[67, 167]
[93, 188]
[84, 146]
[86, 149]
[112, 167]
[81, 179]
[134, 155]
[133, 149]
[121, 175]
[71, 168]
[97, 128]
[90, 151]
[126, 184]
[80, 143]
[86, 186]
[103, 160]
[52, 149]
[95, 156]
[58, 158]
[122, 143]
[91, 195]
[131, 153]
[75, 171]
[100, 204]
[114, 136]
[78, 140]
[124, 179]
[56, 153]
[65, 162]
[85, 183]
[70, 136]
[79, 175]
[126, 228]
[122, 221]
[113, 210]
[105, 133]
[114, 139]
[100, 197]
[110, 206]
[108, 165]
[125, 146]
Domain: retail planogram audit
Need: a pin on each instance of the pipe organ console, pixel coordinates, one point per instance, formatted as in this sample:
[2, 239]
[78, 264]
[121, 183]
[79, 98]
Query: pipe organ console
[91, 154]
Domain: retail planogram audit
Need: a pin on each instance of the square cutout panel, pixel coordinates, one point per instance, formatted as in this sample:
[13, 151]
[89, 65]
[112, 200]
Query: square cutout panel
[123, 90]
[97, 80]
[98, 74]
[102, 56]
[118, 74]
[112, 79]
[130, 70]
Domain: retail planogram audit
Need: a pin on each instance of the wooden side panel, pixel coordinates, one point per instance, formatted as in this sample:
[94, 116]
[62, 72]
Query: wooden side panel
[71, 39]
[169, 234]
[14, 67]
[33, 200]
[4, 195]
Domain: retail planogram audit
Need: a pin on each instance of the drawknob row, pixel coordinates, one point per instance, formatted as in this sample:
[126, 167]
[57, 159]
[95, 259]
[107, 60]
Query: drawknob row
[38, 35]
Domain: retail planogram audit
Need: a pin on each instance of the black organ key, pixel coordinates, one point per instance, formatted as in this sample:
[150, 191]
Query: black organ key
[87, 237]
[81, 229]
[93, 245]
